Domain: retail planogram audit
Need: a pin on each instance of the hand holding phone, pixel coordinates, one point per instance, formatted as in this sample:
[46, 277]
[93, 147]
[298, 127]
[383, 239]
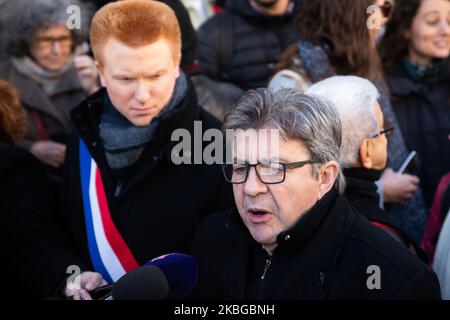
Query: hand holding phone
[397, 187]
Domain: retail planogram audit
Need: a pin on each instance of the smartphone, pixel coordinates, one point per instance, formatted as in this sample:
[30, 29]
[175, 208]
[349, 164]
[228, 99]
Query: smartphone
[409, 163]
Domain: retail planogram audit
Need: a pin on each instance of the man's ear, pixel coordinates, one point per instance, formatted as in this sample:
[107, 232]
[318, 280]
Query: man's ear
[365, 154]
[327, 177]
[100, 73]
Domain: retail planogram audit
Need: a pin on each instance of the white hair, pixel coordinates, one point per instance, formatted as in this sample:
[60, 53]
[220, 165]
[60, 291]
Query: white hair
[354, 98]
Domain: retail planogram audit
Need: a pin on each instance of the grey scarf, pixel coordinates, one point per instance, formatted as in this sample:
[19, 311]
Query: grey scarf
[123, 141]
[45, 78]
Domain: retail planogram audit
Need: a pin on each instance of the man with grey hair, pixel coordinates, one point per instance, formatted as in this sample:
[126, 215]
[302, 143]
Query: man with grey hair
[364, 148]
[292, 234]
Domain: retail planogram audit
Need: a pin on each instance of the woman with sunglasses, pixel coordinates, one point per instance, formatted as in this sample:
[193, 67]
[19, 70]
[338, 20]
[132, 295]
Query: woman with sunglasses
[46, 69]
[415, 51]
[339, 38]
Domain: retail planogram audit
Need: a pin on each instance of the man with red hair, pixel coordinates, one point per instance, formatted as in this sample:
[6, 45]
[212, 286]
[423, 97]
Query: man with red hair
[125, 201]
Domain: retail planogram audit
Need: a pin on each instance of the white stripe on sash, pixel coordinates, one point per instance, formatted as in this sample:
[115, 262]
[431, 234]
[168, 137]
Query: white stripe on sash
[107, 254]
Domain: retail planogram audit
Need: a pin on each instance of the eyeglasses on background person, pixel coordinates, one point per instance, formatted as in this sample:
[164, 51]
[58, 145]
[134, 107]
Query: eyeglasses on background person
[48, 42]
[387, 132]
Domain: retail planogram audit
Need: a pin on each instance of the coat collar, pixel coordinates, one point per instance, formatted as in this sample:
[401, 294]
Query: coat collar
[34, 97]
[401, 84]
[360, 183]
[69, 81]
[322, 231]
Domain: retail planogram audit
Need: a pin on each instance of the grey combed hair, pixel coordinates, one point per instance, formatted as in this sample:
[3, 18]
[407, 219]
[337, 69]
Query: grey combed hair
[297, 116]
[354, 98]
[20, 20]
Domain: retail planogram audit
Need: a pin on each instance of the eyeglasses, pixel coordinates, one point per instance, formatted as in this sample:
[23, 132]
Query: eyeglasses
[268, 173]
[49, 42]
[386, 8]
[387, 132]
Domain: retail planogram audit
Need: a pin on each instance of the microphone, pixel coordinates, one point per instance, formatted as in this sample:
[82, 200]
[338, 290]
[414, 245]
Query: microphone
[144, 283]
[181, 272]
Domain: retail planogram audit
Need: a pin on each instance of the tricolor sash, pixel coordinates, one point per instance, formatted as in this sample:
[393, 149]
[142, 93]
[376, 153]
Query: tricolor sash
[109, 253]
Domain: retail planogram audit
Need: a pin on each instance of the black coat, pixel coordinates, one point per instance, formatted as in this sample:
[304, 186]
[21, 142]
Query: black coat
[34, 253]
[361, 192]
[158, 205]
[326, 255]
[423, 113]
[257, 42]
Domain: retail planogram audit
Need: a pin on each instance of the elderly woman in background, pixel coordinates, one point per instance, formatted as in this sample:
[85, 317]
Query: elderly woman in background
[339, 38]
[47, 70]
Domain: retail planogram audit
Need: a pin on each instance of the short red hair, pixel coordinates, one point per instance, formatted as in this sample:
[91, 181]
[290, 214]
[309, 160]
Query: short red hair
[12, 116]
[135, 23]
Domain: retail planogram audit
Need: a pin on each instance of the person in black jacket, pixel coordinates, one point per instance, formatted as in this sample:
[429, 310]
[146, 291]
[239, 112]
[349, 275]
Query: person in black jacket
[34, 251]
[415, 53]
[128, 194]
[292, 234]
[241, 44]
[364, 148]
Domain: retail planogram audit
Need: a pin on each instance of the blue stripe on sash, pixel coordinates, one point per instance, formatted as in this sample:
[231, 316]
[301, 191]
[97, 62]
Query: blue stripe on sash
[85, 174]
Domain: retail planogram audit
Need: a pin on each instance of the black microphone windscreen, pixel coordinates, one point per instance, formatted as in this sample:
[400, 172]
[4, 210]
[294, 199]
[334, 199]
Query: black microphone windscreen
[145, 283]
[181, 271]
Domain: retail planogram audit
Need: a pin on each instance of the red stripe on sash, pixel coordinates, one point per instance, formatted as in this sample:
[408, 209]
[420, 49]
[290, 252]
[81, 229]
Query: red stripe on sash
[112, 234]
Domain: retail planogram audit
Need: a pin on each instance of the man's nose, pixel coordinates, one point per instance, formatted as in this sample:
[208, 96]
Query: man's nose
[253, 186]
[142, 93]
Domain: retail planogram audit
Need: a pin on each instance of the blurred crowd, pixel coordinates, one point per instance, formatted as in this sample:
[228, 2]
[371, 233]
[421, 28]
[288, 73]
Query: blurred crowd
[47, 70]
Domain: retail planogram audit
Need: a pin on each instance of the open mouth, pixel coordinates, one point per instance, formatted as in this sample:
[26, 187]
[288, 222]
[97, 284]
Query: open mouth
[259, 215]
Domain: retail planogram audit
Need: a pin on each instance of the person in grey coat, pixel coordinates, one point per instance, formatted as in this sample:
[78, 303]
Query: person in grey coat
[49, 69]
